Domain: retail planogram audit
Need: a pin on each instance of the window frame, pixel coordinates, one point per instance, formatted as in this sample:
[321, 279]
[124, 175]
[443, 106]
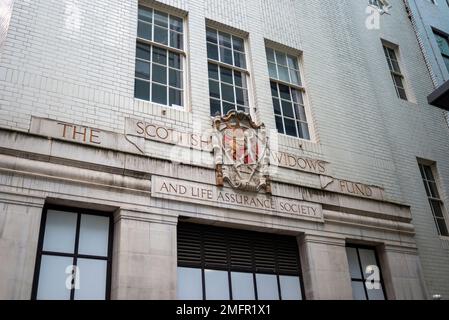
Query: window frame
[74, 255]
[182, 52]
[359, 262]
[399, 73]
[445, 36]
[244, 71]
[292, 86]
[426, 181]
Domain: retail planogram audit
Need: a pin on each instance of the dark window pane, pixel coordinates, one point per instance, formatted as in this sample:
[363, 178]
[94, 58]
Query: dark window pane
[226, 75]
[176, 24]
[142, 90]
[238, 79]
[436, 208]
[395, 66]
[238, 43]
[160, 19]
[276, 106]
[297, 96]
[212, 51]
[143, 51]
[240, 96]
[428, 172]
[175, 97]
[243, 108]
[175, 40]
[214, 89]
[211, 35]
[159, 93]
[270, 54]
[160, 35]
[213, 71]
[422, 171]
[227, 92]
[279, 125]
[274, 89]
[290, 127]
[142, 69]
[224, 39]
[215, 109]
[433, 189]
[226, 55]
[144, 30]
[287, 109]
[174, 60]
[442, 227]
[159, 74]
[145, 14]
[398, 81]
[175, 78]
[160, 55]
[228, 107]
[285, 92]
[300, 112]
[402, 94]
[239, 60]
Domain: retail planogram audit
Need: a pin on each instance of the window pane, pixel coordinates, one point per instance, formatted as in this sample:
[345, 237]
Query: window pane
[176, 24]
[145, 14]
[228, 107]
[159, 74]
[442, 227]
[375, 294]
[160, 56]
[212, 51]
[226, 55]
[189, 284]
[294, 77]
[214, 89]
[215, 108]
[290, 288]
[358, 293]
[143, 51]
[213, 71]
[433, 189]
[443, 44]
[285, 92]
[94, 235]
[242, 286]
[174, 60]
[142, 90]
[300, 112]
[267, 287]
[283, 73]
[290, 127]
[226, 75]
[92, 279]
[160, 35]
[160, 18]
[395, 66]
[142, 69]
[240, 96]
[276, 106]
[224, 39]
[238, 44]
[217, 285]
[428, 172]
[303, 131]
[159, 93]
[238, 80]
[281, 58]
[402, 94]
[367, 258]
[353, 261]
[292, 62]
[175, 40]
[227, 92]
[144, 30]
[175, 97]
[60, 229]
[175, 78]
[272, 70]
[287, 109]
[279, 125]
[239, 60]
[436, 208]
[53, 277]
[274, 89]
[270, 54]
[211, 35]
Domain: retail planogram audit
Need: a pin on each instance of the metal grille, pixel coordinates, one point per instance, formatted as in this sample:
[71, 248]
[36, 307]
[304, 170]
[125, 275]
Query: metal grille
[230, 249]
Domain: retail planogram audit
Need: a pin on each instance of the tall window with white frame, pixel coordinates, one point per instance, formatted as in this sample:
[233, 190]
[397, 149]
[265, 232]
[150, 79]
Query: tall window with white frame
[159, 58]
[228, 89]
[287, 94]
[436, 204]
[74, 255]
[443, 44]
[395, 71]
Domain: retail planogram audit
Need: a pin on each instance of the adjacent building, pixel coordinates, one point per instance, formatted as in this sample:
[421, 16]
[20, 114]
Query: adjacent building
[192, 149]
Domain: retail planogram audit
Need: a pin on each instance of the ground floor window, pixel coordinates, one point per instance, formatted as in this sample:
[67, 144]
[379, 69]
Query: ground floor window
[366, 278]
[226, 264]
[74, 255]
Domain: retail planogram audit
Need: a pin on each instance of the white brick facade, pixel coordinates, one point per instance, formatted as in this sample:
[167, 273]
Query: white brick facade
[73, 61]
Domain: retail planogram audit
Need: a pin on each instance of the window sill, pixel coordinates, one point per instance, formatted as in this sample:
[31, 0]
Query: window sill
[163, 111]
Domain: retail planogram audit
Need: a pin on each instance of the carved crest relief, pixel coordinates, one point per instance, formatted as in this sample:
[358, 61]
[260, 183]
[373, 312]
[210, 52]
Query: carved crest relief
[241, 152]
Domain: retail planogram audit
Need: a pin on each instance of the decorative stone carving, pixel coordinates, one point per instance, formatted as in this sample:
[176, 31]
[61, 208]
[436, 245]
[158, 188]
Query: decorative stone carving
[241, 152]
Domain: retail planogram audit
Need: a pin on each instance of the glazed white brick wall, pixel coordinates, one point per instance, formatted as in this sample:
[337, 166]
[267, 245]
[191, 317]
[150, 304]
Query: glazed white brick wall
[83, 73]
